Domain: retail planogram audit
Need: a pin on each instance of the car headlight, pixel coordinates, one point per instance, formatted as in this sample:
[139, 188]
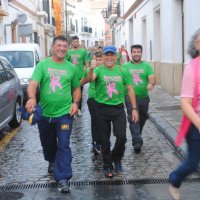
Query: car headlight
[24, 81]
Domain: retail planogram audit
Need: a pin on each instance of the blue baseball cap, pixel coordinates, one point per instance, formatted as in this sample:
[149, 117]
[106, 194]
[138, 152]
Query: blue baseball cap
[109, 48]
[33, 117]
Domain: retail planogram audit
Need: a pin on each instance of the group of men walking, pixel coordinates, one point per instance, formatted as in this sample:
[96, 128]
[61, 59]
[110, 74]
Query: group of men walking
[60, 79]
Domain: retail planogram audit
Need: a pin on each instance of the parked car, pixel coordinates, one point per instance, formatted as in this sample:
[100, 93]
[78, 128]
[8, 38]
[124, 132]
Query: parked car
[11, 95]
[23, 57]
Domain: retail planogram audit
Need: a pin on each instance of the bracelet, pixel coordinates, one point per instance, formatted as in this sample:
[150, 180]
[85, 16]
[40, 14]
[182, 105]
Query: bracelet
[134, 108]
[31, 98]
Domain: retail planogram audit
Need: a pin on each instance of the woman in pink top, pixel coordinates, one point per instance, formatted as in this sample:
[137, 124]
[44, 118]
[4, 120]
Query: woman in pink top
[190, 93]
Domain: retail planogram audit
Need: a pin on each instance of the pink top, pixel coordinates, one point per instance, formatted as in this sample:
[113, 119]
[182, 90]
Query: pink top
[190, 89]
[187, 88]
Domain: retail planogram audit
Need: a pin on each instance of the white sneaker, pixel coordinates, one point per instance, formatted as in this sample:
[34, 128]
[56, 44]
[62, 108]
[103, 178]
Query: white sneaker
[174, 192]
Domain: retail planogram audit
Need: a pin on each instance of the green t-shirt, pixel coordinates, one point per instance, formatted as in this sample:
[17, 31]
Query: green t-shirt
[56, 81]
[118, 59]
[78, 57]
[140, 77]
[91, 89]
[109, 84]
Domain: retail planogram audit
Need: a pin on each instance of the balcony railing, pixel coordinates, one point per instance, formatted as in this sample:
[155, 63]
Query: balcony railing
[112, 8]
[86, 29]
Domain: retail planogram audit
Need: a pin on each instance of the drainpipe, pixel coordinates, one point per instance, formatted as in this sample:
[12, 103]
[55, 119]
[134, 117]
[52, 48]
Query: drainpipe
[183, 39]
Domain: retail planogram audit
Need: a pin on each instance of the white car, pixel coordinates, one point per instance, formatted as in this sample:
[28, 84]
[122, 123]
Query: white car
[23, 57]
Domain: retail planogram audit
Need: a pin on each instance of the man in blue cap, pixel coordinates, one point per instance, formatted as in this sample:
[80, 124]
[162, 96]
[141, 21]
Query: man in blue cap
[57, 78]
[110, 80]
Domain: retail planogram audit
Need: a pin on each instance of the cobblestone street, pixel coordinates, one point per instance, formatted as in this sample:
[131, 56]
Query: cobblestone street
[22, 160]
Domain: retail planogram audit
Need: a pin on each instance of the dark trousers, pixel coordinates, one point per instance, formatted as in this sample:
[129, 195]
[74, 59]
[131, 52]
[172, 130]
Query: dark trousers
[94, 129]
[81, 100]
[136, 128]
[191, 163]
[108, 115]
[55, 139]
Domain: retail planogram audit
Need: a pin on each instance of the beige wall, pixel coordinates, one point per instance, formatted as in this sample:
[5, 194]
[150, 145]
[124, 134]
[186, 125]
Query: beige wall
[156, 68]
[169, 76]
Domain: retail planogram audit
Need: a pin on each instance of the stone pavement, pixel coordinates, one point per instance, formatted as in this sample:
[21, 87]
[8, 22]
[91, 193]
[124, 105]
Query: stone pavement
[24, 171]
[165, 112]
[22, 161]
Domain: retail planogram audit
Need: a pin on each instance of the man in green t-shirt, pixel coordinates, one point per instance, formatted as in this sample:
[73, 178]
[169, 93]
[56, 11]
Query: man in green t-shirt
[79, 57]
[143, 80]
[109, 85]
[56, 78]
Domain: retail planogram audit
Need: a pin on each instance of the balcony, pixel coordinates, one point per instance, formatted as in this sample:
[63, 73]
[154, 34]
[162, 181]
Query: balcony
[49, 28]
[42, 14]
[85, 30]
[112, 12]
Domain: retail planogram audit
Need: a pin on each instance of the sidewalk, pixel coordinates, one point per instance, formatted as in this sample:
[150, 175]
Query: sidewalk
[165, 112]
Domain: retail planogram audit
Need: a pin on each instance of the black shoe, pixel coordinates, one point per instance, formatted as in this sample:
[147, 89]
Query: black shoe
[63, 186]
[51, 168]
[137, 147]
[108, 173]
[118, 166]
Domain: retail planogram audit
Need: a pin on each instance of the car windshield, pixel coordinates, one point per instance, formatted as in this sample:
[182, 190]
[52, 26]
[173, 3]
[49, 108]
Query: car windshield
[19, 59]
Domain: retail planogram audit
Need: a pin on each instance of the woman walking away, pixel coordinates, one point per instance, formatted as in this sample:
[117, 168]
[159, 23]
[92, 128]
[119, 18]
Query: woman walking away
[190, 127]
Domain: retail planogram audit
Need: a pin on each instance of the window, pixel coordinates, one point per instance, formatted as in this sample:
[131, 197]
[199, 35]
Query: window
[19, 59]
[3, 76]
[84, 23]
[37, 59]
[9, 70]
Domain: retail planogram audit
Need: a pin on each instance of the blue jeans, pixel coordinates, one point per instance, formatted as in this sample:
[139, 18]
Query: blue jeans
[192, 161]
[55, 139]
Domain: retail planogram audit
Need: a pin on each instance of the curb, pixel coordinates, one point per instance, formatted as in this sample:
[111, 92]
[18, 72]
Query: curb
[168, 131]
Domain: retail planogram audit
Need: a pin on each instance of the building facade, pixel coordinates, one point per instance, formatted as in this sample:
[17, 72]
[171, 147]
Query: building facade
[164, 28]
[31, 22]
[84, 19]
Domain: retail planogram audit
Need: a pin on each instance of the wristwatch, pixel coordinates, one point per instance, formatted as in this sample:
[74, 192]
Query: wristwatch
[31, 98]
[134, 108]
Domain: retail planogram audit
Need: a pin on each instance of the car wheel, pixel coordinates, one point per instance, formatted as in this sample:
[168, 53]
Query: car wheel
[16, 119]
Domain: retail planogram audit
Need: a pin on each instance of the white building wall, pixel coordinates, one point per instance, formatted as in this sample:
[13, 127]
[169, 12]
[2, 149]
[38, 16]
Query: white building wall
[191, 19]
[166, 31]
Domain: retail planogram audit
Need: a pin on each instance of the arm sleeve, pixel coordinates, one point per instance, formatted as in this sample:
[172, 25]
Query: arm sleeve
[150, 70]
[127, 77]
[187, 87]
[37, 73]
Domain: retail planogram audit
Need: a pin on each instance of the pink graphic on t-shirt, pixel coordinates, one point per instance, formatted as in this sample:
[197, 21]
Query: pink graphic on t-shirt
[111, 88]
[55, 82]
[74, 60]
[136, 79]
